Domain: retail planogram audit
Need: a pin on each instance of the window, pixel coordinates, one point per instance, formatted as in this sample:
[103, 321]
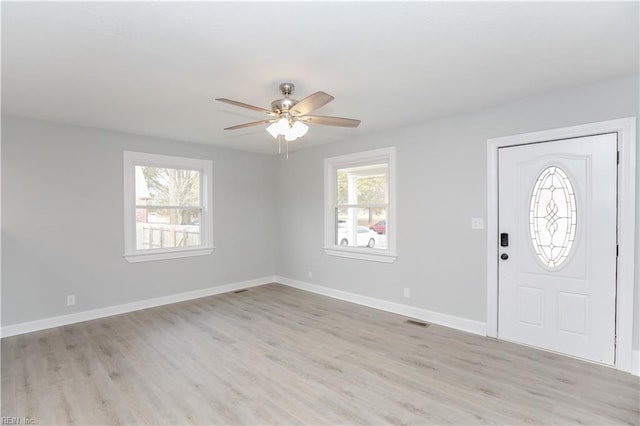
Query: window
[167, 207]
[359, 205]
[553, 217]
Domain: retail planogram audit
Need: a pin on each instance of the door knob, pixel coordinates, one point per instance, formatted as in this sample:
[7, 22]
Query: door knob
[504, 256]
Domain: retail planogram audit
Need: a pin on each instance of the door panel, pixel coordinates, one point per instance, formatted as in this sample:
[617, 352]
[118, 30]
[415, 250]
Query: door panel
[557, 202]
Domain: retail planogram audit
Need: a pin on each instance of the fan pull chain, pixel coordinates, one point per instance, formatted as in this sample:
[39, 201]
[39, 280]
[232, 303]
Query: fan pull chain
[279, 144]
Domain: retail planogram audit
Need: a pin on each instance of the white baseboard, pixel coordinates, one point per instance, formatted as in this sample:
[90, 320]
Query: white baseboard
[28, 327]
[470, 326]
[635, 363]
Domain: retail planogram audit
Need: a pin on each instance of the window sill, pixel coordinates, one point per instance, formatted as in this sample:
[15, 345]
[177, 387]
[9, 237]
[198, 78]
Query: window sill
[164, 255]
[362, 254]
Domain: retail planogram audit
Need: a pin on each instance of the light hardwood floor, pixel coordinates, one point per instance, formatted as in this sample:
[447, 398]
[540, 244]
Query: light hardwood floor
[277, 355]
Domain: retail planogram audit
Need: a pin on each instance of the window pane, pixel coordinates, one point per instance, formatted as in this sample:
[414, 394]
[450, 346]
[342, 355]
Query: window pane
[553, 216]
[368, 224]
[167, 227]
[160, 186]
[363, 184]
[341, 187]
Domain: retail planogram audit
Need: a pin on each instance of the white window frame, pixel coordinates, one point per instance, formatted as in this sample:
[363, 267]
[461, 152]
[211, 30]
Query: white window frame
[205, 167]
[331, 165]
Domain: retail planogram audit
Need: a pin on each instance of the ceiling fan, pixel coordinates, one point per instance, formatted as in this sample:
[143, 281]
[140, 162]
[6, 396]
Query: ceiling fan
[288, 117]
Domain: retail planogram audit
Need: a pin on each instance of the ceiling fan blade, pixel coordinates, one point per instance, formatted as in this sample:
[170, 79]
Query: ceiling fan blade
[243, 105]
[311, 103]
[331, 121]
[253, 123]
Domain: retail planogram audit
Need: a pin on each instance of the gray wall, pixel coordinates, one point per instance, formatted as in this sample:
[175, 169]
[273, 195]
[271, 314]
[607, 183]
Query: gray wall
[62, 221]
[62, 211]
[441, 185]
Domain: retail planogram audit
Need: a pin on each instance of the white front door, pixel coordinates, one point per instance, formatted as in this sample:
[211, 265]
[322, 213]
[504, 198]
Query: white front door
[557, 266]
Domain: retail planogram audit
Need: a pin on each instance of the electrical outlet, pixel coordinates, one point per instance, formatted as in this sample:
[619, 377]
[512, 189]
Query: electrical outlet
[310, 275]
[477, 223]
[71, 300]
[407, 292]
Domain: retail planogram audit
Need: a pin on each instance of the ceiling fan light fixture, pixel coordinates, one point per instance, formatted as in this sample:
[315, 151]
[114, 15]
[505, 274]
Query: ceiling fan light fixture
[290, 137]
[274, 130]
[299, 128]
[283, 125]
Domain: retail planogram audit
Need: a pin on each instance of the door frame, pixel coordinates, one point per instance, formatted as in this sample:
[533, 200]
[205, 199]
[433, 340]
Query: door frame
[626, 129]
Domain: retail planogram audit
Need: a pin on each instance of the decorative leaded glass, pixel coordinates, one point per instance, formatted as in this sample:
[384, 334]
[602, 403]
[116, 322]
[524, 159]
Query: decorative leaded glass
[553, 216]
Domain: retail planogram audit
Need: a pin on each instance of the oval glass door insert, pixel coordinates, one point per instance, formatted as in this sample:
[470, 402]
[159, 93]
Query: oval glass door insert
[553, 217]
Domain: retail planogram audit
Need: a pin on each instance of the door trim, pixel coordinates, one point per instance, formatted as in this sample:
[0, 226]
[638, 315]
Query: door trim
[626, 129]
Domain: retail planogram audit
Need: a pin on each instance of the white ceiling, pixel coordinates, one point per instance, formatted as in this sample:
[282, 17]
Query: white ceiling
[154, 68]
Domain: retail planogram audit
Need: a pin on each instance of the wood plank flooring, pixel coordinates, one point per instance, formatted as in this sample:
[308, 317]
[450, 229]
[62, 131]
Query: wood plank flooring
[277, 355]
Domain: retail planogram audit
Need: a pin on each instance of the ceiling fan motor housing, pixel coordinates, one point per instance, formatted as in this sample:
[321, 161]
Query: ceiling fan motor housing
[285, 104]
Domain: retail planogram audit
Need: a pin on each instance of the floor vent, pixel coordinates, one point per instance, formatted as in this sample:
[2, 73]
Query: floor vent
[241, 291]
[419, 323]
